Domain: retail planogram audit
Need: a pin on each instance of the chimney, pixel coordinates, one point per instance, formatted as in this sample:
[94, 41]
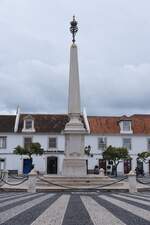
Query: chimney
[17, 119]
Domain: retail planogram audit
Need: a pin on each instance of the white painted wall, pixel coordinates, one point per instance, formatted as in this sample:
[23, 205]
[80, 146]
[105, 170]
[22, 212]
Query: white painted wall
[18, 139]
[139, 144]
[14, 162]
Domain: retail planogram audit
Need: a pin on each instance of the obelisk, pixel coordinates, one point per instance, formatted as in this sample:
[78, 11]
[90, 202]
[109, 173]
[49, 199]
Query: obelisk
[74, 164]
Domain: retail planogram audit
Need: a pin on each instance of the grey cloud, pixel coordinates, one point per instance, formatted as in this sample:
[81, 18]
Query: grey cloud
[114, 55]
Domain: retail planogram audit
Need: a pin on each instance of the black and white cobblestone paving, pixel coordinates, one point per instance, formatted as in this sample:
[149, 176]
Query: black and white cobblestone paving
[75, 208]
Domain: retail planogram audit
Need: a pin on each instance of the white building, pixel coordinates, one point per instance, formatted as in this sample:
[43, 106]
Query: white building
[21, 129]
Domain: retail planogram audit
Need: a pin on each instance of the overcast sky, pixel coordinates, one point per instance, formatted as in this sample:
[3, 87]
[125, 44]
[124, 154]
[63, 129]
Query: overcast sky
[113, 47]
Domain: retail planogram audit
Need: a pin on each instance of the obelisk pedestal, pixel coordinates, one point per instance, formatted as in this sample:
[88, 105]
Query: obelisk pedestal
[74, 164]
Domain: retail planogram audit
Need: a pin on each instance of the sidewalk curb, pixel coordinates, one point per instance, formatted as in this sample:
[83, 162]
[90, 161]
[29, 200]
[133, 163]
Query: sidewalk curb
[72, 190]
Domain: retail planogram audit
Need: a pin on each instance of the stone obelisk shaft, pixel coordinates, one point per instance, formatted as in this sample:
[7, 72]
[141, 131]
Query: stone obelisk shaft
[74, 108]
[74, 86]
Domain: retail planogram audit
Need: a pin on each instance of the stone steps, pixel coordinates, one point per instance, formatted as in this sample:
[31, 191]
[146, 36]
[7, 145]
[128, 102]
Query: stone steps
[88, 177]
[88, 181]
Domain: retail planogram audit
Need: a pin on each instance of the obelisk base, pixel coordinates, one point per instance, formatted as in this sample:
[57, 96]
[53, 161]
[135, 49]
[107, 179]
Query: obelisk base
[74, 167]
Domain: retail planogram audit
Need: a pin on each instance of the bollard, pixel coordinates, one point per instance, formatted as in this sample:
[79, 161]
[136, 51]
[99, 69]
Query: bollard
[101, 172]
[32, 181]
[5, 175]
[132, 182]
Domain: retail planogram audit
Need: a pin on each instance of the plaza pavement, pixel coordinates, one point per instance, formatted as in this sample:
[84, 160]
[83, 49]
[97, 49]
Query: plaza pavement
[73, 208]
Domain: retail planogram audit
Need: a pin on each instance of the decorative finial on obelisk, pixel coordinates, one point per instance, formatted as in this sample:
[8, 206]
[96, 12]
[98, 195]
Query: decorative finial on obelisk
[73, 28]
[74, 108]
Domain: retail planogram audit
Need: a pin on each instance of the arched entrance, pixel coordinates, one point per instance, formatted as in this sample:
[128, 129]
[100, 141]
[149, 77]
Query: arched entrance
[127, 166]
[52, 165]
[102, 164]
[27, 166]
[140, 168]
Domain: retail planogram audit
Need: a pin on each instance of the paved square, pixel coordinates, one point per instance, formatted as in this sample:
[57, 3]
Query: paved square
[75, 208]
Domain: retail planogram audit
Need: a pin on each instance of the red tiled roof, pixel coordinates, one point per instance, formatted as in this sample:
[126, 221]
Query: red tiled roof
[110, 125]
[141, 124]
[7, 123]
[104, 125]
[46, 122]
[98, 124]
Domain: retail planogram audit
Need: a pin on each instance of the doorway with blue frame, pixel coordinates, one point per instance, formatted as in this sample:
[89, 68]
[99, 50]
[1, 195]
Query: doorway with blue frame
[27, 165]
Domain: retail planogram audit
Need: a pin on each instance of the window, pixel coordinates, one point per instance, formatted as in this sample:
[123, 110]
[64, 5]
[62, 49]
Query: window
[102, 143]
[148, 144]
[52, 142]
[28, 124]
[127, 143]
[3, 142]
[27, 142]
[126, 125]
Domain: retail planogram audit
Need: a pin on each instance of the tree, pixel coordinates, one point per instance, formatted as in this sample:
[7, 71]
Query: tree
[116, 154]
[35, 148]
[143, 156]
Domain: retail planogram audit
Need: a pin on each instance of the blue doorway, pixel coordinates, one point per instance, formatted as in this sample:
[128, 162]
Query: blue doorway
[27, 166]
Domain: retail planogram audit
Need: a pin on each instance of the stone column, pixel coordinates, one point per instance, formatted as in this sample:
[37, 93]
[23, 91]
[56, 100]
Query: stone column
[5, 175]
[32, 181]
[74, 86]
[74, 164]
[74, 112]
[132, 182]
[101, 172]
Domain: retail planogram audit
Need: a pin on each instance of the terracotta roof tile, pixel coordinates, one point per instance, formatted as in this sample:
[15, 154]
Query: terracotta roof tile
[103, 125]
[141, 124]
[7, 123]
[46, 122]
[110, 125]
[98, 124]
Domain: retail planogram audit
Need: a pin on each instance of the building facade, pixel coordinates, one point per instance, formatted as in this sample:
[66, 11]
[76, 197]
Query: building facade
[22, 129]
